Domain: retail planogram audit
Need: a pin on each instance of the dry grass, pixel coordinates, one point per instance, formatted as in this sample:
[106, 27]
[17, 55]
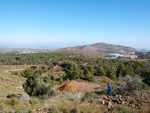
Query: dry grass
[62, 103]
[12, 67]
[72, 107]
[10, 84]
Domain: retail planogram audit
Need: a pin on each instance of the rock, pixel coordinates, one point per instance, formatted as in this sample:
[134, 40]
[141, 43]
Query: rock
[24, 98]
[109, 104]
[76, 96]
[133, 101]
[123, 102]
[101, 101]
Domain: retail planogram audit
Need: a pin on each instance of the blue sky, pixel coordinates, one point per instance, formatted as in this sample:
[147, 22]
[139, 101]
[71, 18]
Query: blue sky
[63, 23]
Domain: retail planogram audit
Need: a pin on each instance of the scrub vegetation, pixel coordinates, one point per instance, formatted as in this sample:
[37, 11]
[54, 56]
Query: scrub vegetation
[70, 83]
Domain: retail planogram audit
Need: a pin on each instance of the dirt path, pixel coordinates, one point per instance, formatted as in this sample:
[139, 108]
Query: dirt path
[14, 70]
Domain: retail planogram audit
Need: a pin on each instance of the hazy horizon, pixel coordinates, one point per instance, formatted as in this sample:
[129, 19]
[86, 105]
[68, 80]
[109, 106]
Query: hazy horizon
[59, 47]
[58, 24]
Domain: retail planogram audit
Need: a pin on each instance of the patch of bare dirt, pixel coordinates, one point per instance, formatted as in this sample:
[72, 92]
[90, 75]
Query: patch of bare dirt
[74, 86]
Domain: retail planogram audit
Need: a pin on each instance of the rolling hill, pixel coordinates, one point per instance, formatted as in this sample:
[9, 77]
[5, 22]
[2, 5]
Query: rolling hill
[98, 49]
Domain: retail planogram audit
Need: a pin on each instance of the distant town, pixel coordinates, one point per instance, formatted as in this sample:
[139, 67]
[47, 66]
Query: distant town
[128, 55]
[131, 55]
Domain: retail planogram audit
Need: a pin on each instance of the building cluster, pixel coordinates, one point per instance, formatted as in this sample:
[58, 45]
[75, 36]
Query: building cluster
[116, 55]
[27, 52]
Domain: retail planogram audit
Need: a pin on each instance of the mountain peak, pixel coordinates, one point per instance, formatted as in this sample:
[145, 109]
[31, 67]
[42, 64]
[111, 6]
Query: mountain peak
[101, 48]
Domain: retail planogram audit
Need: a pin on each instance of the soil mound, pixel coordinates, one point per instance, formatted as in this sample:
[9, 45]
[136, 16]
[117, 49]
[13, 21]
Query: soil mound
[70, 86]
[73, 86]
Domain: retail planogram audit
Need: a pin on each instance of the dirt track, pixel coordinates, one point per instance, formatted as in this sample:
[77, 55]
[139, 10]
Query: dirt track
[14, 70]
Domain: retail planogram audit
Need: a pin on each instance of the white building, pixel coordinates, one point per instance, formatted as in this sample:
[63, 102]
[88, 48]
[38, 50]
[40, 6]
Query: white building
[113, 55]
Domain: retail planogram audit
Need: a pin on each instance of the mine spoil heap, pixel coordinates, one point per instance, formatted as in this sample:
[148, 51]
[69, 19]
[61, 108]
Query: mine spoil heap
[134, 101]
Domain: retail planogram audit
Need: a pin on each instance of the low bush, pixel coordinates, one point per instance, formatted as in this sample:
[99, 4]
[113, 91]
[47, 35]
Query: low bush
[13, 101]
[89, 96]
[37, 85]
[89, 76]
[144, 110]
[12, 96]
[132, 83]
[103, 92]
[68, 107]
[34, 101]
[1, 79]
[1, 108]
[15, 73]
[123, 109]
[38, 72]
[120, 92]
[27, 72]
[29, 111]
[104, 81]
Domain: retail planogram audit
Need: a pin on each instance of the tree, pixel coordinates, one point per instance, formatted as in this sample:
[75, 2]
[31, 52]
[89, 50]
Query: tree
[73, 71]
[131, 68]
[147, 78]
[27, 72]
[38, 72]
[37, 85]
[89, 76]
[120, 70]
[100, 72]
[91, 69]
[110, 71]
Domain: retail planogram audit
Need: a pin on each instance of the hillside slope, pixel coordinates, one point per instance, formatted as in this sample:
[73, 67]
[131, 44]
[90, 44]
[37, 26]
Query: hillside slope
[98, 49]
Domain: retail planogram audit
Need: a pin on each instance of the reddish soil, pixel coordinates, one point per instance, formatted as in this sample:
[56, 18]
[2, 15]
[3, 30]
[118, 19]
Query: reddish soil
[74, 86]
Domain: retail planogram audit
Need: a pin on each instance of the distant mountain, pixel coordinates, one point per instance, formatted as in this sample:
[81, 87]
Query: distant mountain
[99, 48]
[22, 50]
[143, 50]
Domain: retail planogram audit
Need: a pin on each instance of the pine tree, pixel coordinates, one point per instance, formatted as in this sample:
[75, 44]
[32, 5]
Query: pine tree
[73, 71]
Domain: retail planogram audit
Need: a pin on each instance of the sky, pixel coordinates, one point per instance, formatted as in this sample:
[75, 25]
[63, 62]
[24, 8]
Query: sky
[67, 23]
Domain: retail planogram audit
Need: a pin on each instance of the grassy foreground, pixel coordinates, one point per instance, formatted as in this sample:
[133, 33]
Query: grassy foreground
[63, 102]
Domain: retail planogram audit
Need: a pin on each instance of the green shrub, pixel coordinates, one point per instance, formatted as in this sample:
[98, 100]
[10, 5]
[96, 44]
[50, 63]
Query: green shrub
[34, 101]
[1, 79]
[120, 92]
[104, 81]
[103, 92]
[61, 80]
[89, 96]
[89, 76]
[145, 87]
[132, 83]
[13, 101]
[100, 72]
[123, 109]
[52, 77]
[76, 108]
[38, 72]
[27, 72]
[15, 73]
[12, 96]
[29, 111]
[73, 71]
[37, 85]
[144, 110]
[1, 108]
